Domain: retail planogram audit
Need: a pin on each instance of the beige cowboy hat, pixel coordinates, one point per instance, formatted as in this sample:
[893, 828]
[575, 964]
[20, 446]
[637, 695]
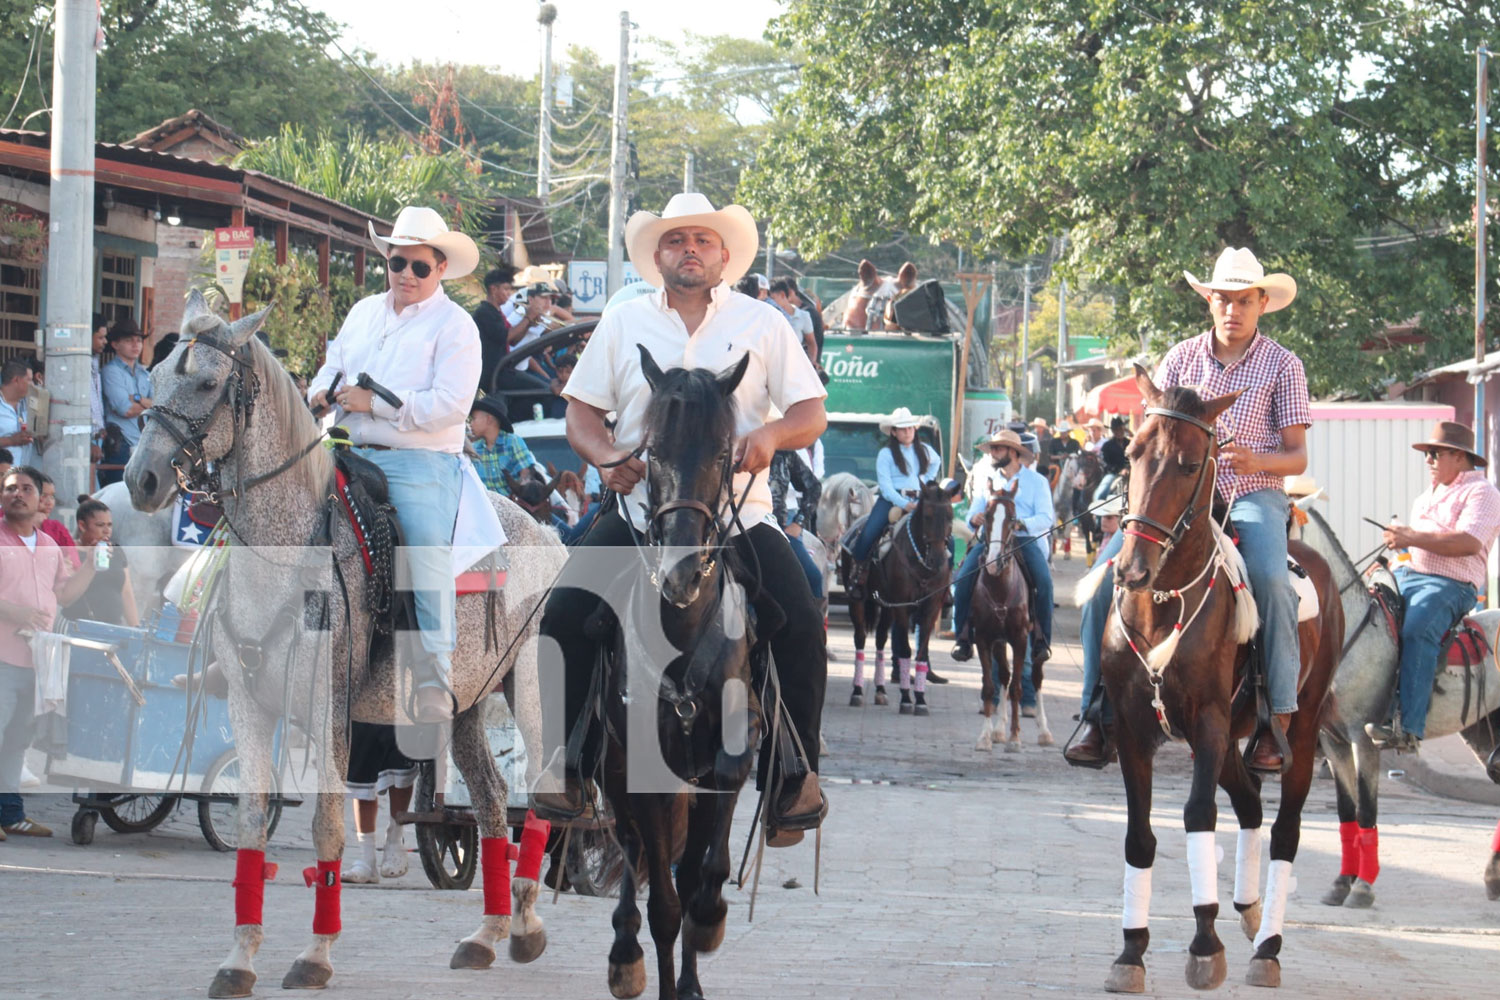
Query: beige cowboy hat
[733, 223]
[1095, 422]
[1236, 270]
[1113, 507]
[1452, 434]
[536, 274]
[418, 226]
[1301, 486]
[1040, 422]
[1012, 440]
[901, 417]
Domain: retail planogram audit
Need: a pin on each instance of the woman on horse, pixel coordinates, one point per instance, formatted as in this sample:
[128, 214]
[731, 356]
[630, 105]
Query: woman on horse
[903, 466]
[1266, 428]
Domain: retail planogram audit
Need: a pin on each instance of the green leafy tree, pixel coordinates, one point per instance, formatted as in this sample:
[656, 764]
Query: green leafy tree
[1154, 134]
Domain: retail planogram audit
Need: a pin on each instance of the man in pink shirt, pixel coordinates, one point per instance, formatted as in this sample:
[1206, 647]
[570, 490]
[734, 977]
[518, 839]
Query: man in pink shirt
[1453, 525]
[34, 581]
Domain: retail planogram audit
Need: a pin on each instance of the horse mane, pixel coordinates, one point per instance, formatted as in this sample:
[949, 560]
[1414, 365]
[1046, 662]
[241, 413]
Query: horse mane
[687, 404]
[279, 397]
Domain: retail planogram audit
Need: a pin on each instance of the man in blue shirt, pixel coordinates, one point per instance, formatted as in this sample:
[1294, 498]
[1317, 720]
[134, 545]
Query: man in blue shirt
[127, 389]
[498, 449]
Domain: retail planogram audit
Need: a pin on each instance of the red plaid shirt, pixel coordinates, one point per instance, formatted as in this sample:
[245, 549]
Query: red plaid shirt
[1273, 396]
[1469, 503]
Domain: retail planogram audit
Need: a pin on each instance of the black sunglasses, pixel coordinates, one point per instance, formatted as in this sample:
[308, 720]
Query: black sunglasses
[418, 267]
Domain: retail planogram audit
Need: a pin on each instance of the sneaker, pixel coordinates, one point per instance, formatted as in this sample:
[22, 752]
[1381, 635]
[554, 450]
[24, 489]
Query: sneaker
[29, 780]
[360, 873]
[393, 859]
[27, 827]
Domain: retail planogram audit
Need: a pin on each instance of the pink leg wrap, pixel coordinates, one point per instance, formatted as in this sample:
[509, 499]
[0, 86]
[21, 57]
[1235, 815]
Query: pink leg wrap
[1349, 841]
[325, 879]
[533, 847]
[859, 669]
[494, 865]
[903, 667]
[251, 873]
[921, 678]
[1495, 844]
[1369, 854]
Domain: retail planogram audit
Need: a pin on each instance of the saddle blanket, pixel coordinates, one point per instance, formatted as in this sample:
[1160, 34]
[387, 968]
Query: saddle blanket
[1307, 594]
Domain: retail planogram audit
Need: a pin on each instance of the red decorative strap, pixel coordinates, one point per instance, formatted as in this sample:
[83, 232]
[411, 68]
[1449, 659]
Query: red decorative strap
[1369, 854]
[533, 847]
[494, 865]
[1349, 842]
[1141, 534]
[359, 535]
[251, 873]
[1495, 844]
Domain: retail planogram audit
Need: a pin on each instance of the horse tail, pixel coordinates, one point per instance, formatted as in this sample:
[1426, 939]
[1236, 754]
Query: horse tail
[1091, 582]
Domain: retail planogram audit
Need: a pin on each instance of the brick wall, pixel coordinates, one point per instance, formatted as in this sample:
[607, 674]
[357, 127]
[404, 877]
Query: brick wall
[179, 249]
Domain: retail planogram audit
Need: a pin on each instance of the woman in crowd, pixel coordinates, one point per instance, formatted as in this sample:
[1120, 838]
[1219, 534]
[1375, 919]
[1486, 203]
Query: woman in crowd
[56, 529]
[109, 598]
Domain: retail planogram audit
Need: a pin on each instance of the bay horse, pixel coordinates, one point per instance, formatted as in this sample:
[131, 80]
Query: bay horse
[1175, 647]
[1000, 618]
[908, 582]
[292, 631]
[1465, 700]
[678, 689]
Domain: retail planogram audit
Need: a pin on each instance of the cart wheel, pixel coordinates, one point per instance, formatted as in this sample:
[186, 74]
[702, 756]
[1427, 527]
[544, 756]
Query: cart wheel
[219, 811]
[137, 813]
[449, 853]
[594, 865]
[83, 827]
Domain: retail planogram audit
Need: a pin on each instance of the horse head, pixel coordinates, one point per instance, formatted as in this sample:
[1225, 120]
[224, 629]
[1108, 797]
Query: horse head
[998, 545]
[532, 494]
[690, 433]
[1173, 467]
[202, 397]
[932, 522]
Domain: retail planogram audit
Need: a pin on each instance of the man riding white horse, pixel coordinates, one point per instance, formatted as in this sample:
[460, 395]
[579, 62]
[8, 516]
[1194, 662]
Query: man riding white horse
[1453, 527]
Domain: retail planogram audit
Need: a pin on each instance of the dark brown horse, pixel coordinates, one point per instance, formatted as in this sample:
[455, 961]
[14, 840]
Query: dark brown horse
[1174, 582]
[1001, 618]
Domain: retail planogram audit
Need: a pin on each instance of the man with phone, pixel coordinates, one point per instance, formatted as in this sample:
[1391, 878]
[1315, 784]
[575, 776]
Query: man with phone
[15, 432]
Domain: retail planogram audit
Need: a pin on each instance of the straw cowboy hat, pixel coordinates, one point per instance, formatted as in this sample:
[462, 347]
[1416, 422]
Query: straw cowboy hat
[536, 274]
[1011, 440]
[1236, 270]
[902, 417]
[1113, 507]
[1301, 486]
[418, 226]
[1095, 422]
[1451, 434]
[733, 223]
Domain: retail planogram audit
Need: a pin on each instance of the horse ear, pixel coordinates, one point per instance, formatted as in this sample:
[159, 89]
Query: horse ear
[649, 368]
[510, 483]
[730, 381]
[1212, 408]
[1147, 388]
[241, 330]
[551, 469]
[1015, 486]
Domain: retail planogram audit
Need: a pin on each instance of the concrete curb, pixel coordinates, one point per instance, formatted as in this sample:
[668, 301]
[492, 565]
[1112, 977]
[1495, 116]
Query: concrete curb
[1443, 779]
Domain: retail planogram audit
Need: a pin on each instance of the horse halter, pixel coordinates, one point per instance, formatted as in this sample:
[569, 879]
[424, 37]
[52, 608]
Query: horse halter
[1174, 534]
[195, 474]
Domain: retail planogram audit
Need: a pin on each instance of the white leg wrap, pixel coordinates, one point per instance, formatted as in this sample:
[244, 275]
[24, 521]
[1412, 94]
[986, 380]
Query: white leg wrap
[859, 670]
[1278, 887]
[1203, 867]
[903, 668]
[1137, 897]
[1247, 867]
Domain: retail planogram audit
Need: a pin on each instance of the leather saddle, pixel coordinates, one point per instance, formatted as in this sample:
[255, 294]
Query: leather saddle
[365, 498]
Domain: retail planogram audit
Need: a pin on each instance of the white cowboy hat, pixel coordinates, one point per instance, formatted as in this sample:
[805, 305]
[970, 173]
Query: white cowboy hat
[1236, 270]
[1297, 487]
[418, 226]
[1113, 507]
[536, 274]
[733, 223]
[902, 417]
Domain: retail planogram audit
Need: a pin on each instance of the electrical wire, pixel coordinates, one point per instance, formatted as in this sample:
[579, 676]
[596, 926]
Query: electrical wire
[21, 88]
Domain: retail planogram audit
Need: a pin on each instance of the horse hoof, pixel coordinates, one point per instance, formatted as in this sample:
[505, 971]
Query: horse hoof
[1045, 740]
[700, 937]
[1361, 895]
[306, 976]
[232, 983]
[1250, 920]
[1012, 746]
[472, 955]
[1207, 972]
[906, 708]
[526, 948]
[856, 700]
[984, 743]
[920, 710]
[880, 698]
[1264, 972]
[626, 981]
[1338, 892]
[1126, 979]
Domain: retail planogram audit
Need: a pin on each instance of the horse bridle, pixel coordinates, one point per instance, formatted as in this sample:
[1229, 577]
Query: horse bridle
[1174, 534]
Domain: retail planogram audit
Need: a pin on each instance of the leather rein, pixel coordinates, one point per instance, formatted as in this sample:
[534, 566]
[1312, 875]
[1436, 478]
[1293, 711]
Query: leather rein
[1171, 536]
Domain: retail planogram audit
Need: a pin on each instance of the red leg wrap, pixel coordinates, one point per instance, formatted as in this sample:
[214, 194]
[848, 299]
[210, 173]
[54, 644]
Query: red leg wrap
[1349, 840]
[325, 879]
[494, 864]
[1495, 844]
[533, 847]
[1369, 854]
[251, 873]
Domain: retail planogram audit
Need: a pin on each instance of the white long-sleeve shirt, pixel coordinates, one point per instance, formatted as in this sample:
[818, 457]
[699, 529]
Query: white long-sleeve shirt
[429, 356]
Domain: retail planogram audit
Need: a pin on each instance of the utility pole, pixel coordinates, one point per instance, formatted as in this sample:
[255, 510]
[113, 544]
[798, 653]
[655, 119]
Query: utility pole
[70, 249]
[1062, 346]
[619, 158]
[689, 182]
[770, 253]
[545, 16]
[1025, 334]
[1481, 136]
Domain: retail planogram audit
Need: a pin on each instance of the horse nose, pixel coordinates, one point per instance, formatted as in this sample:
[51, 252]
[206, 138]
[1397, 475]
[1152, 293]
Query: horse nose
[1132, 575]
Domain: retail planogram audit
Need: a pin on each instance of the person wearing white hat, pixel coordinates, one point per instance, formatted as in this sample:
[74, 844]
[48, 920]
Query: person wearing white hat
[1267, 432]
[692, 254]
[903, 465]
[424, 349]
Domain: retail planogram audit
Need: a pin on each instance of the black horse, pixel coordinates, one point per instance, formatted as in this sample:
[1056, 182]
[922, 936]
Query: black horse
[680, 746]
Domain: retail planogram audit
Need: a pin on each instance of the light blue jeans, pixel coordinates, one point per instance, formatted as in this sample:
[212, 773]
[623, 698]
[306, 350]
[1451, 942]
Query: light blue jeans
[1432, 604]
[1260, 518]
[425, 487]
[17, 723]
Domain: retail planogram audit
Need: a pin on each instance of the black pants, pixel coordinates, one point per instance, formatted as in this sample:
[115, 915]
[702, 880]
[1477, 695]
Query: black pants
[798, 648]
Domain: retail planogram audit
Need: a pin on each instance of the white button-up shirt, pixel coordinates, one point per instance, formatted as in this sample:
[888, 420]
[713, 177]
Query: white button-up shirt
[429, 356]
[608, 374]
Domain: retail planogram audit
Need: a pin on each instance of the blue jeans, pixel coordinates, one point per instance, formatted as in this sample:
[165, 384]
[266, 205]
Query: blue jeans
[880, 517]
[963, 587]
[814, 574]
[1105, 486]
[425, 487]
[1432, 604]
[17, 723]
[1260, 518]
[578, 530]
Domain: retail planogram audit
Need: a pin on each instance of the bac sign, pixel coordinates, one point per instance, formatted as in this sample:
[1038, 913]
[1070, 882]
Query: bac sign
[232, 246]
[588, 280]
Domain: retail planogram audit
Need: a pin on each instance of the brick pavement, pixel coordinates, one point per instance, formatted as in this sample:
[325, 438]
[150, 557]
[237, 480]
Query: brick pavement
[946, 873]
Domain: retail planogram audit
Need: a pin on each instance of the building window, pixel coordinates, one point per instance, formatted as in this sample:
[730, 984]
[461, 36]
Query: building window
[20, 309]
[117, 281]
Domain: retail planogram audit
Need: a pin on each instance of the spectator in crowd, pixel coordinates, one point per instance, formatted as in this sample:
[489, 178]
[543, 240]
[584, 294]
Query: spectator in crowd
[34, 583]
[784, 295]
[127, 394]
[814, 309]
[110, 597]
[494, 328]
[96, 392]
[788, 474]
[162, 348]
[376, 765]
[498, 449]
[15, 433]
[38, 371]
[1094, 434]
[526, 312]
[562, 309]
[48, 526]
[6, 461]
[748, 286]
